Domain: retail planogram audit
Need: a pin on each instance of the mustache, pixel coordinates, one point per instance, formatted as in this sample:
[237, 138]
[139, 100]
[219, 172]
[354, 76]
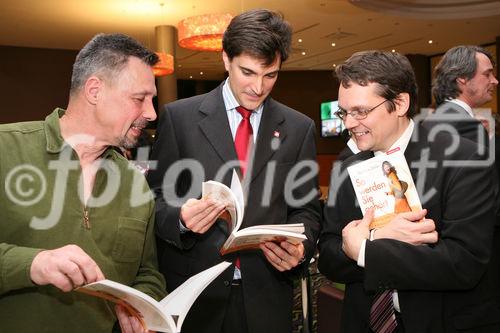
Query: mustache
[140, 123]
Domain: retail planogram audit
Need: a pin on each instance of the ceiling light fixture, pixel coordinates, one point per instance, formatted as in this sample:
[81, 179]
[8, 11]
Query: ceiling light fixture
[429, 10]
[203, 32]
[165, 65]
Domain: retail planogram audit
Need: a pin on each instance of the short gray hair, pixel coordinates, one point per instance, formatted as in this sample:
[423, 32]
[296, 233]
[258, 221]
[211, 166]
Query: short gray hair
[107, 54]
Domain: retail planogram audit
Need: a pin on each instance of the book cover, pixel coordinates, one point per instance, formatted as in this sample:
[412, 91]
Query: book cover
[384, 182]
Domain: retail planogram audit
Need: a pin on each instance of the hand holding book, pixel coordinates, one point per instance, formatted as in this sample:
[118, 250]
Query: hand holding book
[355, 232]
[164, 316]
[283, 255]
[251, 237]
[401, 229]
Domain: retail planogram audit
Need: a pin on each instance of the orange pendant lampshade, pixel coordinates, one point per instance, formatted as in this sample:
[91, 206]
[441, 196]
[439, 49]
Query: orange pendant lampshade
[203, 32]
[165, 66]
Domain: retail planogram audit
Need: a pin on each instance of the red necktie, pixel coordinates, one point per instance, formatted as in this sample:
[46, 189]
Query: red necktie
[241, 144]
[243, 137]
[382, 315]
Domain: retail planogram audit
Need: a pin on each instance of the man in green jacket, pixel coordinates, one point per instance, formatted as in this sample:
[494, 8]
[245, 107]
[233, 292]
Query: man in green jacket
[73, 210]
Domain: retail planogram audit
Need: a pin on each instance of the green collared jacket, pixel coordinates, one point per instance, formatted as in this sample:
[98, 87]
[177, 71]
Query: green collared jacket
[40, 208]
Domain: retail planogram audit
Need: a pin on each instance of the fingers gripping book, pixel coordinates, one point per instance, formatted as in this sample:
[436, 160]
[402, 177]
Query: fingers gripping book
[164, 316]
[251, 237]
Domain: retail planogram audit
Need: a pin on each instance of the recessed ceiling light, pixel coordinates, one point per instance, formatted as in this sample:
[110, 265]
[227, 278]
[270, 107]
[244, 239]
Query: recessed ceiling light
[393, 50]
[190, 76]
[303, 52]
[333, 44]
[430, 41]
[179, 65]
[201, 73]
[299, 40]
[334, 65]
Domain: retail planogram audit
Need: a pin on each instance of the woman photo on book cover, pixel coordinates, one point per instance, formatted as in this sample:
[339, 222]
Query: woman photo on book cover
[397, 188]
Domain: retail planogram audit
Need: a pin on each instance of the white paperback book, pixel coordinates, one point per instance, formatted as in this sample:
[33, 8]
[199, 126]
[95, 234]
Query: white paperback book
[164, 316]
[251, 237]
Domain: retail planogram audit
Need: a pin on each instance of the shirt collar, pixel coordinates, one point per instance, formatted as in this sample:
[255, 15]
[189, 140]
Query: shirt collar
[462, 104]
[54, 139]
[230, 101]
[400, 144]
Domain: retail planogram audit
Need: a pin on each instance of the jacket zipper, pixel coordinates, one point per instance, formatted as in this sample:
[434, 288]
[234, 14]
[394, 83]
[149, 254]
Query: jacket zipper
[86, 220]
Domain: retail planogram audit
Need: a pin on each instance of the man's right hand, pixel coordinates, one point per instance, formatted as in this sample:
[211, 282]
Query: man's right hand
[410, 227]
[66, 268]
[199, 215]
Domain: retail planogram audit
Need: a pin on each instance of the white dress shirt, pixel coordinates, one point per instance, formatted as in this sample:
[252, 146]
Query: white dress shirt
[462, 104]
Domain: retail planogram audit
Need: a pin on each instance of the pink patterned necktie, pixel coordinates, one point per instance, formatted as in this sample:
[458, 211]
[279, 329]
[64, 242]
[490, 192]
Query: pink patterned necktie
[382, 315]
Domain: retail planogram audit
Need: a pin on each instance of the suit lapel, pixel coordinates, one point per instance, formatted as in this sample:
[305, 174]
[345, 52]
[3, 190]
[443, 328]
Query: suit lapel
[359, 157]
[271, 127]
[418, 149]
[215, 126]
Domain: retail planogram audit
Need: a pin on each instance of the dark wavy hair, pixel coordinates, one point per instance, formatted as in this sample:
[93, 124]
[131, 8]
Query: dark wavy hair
[107, 54]
[259, 33]
[391, 71]
[458, 62]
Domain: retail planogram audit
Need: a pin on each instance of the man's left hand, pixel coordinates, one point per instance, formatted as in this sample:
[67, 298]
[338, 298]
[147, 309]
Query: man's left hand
[284, 255]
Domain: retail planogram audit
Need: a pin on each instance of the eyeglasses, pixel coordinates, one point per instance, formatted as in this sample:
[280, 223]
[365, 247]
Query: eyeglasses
[357, 114]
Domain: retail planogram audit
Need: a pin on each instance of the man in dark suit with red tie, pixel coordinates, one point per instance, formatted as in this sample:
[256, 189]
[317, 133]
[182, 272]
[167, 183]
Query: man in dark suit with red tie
[237, 126]
[424, 271]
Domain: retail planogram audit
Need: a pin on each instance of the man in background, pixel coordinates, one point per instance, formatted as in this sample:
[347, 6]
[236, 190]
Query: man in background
[237, 126]
[464, 80]
[73, 210]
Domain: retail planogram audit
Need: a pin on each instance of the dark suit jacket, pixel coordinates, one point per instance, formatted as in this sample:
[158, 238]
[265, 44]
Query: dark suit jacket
[443, 287]
[472, 129]
[197, 129]
[456, 116]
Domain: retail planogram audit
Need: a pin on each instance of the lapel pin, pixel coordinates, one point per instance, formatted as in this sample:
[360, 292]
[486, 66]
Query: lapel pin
[276, 134]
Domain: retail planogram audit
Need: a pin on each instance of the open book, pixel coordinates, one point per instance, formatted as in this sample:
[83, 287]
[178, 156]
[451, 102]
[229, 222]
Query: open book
[385, 183]
[247, 238]
[164, 316]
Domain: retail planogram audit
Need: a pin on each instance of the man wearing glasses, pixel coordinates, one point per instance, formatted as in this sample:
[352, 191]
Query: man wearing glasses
[408, 277]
